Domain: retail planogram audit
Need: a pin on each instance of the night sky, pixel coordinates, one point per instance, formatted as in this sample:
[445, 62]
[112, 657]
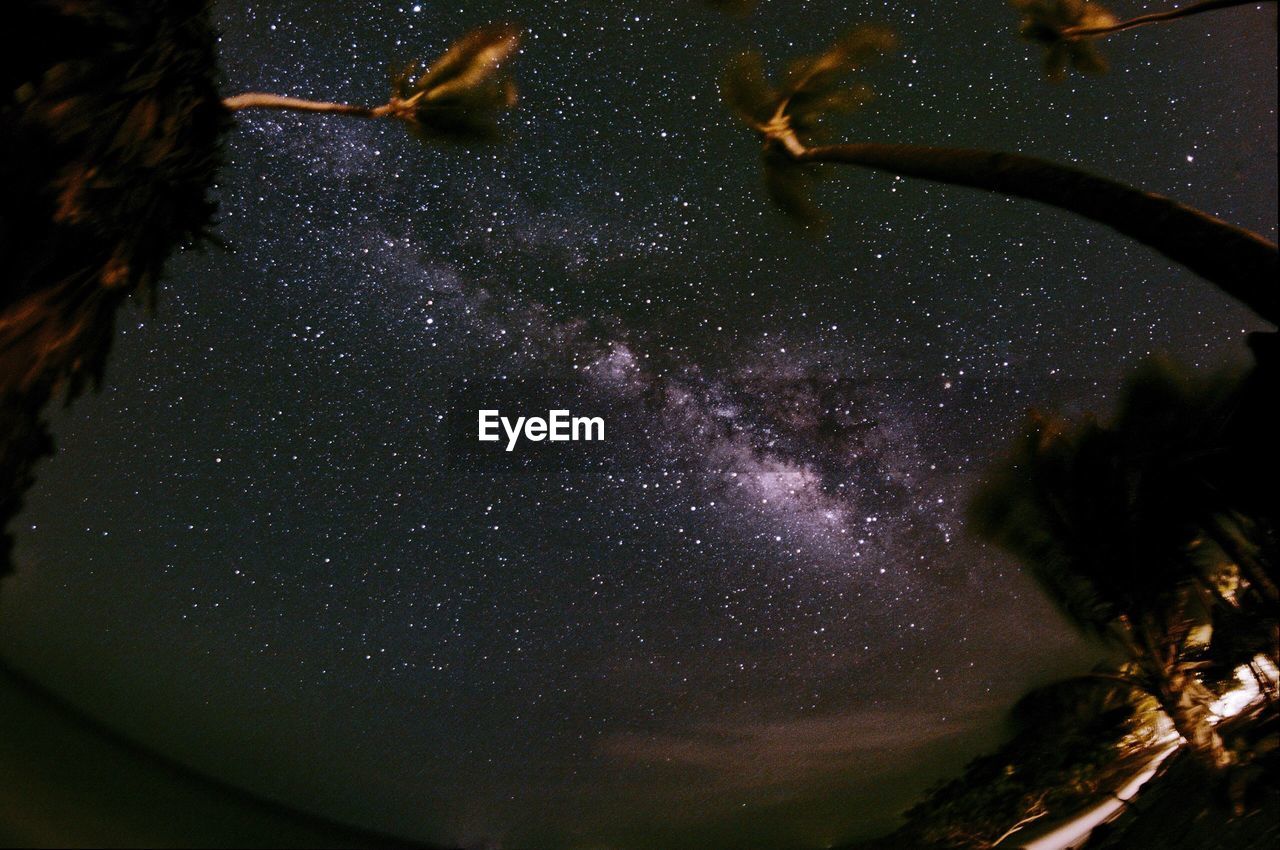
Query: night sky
[271, 548]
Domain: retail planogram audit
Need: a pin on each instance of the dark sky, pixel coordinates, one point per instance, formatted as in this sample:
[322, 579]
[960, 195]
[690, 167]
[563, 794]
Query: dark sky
[269, 548]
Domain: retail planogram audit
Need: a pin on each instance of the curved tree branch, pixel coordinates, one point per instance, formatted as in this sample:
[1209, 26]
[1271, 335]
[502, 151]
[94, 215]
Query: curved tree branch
[1240, 262]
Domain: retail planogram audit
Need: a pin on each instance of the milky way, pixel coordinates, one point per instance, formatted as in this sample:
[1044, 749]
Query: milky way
[268, 548]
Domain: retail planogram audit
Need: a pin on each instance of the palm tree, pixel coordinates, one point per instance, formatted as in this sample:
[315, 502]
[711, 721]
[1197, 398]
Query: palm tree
[1111, 521]
[456, 97]
[112, 125]
[1065, 27]
[789, 119]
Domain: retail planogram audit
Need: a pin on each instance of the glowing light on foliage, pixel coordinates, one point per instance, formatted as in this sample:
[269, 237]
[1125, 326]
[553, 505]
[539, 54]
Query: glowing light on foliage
[1248, 690]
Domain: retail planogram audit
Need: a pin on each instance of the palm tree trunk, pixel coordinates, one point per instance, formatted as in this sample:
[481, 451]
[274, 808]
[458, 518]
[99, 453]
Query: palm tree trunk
[262, 100]
[1240, 262]
[1182, 697]
[1157, 18]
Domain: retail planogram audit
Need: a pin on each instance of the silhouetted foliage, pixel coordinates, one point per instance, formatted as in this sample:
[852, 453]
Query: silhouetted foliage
[1126, 526]
[1067, 738]
[110, 129]
[1049, 23]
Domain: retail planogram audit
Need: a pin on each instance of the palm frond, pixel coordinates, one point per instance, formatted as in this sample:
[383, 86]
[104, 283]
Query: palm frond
[1086, 58]
[822, 73]
[460, 95]
[746, 90]
[789, 185]
[1049, 23]
[815, 87]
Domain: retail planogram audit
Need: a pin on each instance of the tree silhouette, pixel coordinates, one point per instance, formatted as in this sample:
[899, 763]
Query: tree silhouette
[1065, 28]
[790, 120]
[111, 127]
[1113, 522]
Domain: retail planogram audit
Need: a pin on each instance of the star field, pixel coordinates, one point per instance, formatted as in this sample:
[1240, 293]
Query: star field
[753, 615]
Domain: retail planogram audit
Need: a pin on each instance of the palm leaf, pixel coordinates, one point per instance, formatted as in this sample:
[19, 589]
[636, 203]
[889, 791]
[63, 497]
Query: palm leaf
[1048, 23]
[821, 73]
[460, 95]
[815, 87]
[469, 61]
[1086, 58]
[746, 90]
[789, 185]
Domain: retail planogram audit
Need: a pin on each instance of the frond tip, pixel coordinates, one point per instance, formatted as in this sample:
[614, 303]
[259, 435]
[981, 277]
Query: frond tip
[789, 185]
[820, 75]
[460, 95]
[746, 90]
